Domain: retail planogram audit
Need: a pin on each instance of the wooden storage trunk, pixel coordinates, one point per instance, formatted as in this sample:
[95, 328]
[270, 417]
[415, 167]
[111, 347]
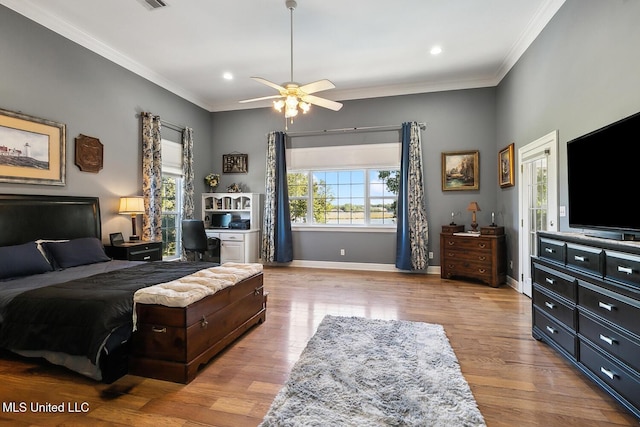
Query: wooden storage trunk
[171, 343]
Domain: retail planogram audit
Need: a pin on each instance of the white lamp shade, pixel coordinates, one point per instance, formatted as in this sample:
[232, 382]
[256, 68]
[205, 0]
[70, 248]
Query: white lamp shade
[131, 205]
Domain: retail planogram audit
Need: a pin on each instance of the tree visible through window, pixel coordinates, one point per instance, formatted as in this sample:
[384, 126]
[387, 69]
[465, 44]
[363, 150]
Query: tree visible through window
[343, 197]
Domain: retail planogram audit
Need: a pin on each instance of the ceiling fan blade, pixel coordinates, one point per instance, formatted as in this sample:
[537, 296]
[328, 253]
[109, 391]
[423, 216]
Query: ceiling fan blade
[260, 99]
[270, 84]
[318, 86]
[321, 102]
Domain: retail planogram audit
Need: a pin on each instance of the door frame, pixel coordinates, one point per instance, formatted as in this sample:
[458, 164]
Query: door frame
[544, 146]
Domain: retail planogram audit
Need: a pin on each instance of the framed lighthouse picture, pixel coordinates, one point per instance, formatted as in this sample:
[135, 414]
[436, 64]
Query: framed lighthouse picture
[32, 150]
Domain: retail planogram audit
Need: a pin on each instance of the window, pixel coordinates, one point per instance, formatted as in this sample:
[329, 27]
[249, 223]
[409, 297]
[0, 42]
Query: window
[361, 197]
[344, 185]
[171, 216]
[171, 202]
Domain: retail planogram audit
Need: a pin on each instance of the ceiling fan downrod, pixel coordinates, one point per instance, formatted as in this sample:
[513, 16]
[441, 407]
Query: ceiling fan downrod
[291, 5]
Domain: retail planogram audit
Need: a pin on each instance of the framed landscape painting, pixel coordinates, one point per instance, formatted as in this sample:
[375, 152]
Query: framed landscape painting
[32, 150]
[505, 167]
[460, 170]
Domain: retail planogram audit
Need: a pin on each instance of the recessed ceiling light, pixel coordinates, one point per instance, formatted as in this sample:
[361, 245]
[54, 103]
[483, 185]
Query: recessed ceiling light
[436, 50]
[227, 76]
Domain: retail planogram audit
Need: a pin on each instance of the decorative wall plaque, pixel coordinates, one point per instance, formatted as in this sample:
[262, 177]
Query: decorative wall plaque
[89, 153]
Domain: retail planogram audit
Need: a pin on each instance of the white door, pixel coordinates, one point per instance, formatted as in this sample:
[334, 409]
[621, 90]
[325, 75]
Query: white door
[538, 199]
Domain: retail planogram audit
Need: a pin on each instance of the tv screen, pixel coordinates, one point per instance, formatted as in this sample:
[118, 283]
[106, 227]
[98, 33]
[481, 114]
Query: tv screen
[604, 175]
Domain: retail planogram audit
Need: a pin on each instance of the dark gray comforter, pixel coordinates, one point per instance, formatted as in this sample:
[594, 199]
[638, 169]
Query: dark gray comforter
[76, 317]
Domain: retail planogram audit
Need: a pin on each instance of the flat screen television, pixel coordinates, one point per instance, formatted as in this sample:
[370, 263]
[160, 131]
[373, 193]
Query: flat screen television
[604, 179]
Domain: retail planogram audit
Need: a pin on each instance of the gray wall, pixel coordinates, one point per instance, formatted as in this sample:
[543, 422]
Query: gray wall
[47, 76]
[580, 74]
[456, 120]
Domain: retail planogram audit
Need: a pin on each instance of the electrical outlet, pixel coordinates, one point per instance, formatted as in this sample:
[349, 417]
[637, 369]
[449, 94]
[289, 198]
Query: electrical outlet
[342, 252]
[430, 255]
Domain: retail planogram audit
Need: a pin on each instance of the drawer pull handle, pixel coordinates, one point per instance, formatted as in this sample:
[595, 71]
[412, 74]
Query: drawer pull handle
[482, 270]
[158, 330]
[606, 306]
[627, 270]
[551, 330]
[549, 251]
[579, 258]
[607, 372]
[550, 305]
[606, 339]
[203, 322]
[482, 245]
[482, 258]
[549, 281]
[451, 243]
[147, 257]
[258, 291]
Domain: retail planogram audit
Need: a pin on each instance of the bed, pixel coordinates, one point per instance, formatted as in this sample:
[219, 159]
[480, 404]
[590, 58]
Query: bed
[63, 299]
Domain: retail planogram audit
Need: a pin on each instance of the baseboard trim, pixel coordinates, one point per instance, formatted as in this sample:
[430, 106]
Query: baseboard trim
[366, 266]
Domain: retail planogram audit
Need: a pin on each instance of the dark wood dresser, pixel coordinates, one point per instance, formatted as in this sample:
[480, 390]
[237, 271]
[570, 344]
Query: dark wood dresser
[586, 305]
[474, 256]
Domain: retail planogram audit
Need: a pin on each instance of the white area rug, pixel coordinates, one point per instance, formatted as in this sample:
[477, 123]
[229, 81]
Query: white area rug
[363, 372]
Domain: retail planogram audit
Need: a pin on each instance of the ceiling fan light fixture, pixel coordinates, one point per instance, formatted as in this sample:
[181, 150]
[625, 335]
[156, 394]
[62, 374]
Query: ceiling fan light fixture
[304, 106]
[278, 105]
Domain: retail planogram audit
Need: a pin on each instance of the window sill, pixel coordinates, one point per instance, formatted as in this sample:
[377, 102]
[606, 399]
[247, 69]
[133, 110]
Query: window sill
[345, 228]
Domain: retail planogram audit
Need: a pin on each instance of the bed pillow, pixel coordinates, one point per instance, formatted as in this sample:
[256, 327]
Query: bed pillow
[45, 253]
[83, 251]
[22, 260]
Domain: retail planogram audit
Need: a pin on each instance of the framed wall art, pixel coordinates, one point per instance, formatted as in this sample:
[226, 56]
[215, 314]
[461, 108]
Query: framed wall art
[32, 150]
[235, 163]
[505, 167]
[460, 170]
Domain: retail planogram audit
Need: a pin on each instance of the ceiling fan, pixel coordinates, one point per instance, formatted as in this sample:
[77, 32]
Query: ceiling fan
[293, 97]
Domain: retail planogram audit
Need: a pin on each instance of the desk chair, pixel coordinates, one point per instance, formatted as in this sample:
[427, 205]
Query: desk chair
[194, 238]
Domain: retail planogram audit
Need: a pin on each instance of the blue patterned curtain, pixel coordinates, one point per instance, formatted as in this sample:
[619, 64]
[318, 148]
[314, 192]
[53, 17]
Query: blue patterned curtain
[187, 173]
[151, 176]
[277, 243]
[413, 230]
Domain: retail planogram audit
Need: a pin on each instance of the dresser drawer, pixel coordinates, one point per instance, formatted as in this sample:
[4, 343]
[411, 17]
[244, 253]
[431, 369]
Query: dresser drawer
[555, 281]
[467, 243]
[610, 339]
[480, 256]
[470, 269]
[585, 258]
[145, 254]
[626, 383]
[554, 331]
[614, 308]
[554, 307]
[623, 268]
[552, 249]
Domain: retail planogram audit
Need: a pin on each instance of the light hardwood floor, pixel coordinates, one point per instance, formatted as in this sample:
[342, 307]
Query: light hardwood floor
[516, 380]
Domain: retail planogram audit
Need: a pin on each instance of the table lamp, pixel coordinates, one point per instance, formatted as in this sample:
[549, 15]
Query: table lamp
[133, 206]
[473, 207]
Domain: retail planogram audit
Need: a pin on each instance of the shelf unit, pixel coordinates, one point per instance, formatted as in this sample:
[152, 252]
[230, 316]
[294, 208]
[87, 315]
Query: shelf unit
[236, 245]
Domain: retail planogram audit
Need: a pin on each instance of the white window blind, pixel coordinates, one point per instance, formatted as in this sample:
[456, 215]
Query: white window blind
[344, 157]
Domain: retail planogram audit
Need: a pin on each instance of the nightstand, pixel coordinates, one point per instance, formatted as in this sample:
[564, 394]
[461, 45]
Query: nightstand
[136, 251]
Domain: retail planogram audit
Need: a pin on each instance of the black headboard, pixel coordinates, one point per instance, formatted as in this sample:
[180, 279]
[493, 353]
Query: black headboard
[26, 217]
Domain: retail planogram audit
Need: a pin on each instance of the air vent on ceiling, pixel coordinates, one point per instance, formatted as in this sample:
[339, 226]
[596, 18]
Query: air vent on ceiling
[156, 4]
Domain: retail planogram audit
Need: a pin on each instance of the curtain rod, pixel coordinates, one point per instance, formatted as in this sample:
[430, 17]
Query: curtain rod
[173, 126]
[423, 126]
[170, 125]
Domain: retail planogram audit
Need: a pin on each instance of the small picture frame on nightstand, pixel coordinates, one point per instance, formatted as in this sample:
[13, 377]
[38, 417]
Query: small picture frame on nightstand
[116, 239]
